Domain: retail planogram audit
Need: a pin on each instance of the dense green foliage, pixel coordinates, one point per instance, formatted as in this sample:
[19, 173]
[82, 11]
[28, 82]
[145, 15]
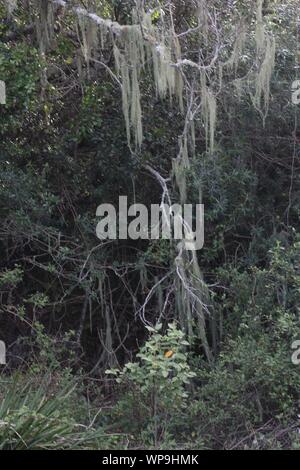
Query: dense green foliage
[70, 311]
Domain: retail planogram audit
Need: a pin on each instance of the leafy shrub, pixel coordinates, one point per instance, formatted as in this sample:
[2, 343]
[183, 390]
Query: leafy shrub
[155, 387]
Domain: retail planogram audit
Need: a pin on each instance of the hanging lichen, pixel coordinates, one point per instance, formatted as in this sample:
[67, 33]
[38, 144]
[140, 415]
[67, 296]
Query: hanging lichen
[164, 74]
[209, 112]
[133, 47]
[44, 24]
[11, 5]
[193, 296]
[131, 52]
[85, 47]
[88, 36]
[260, 27]
[261, 98]
[136, 111]
[126, 96]
[238, 47]
[179, 167]
[238, 85]
[179, 84]
[193, 137]
[202, 14]
[128, 63]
